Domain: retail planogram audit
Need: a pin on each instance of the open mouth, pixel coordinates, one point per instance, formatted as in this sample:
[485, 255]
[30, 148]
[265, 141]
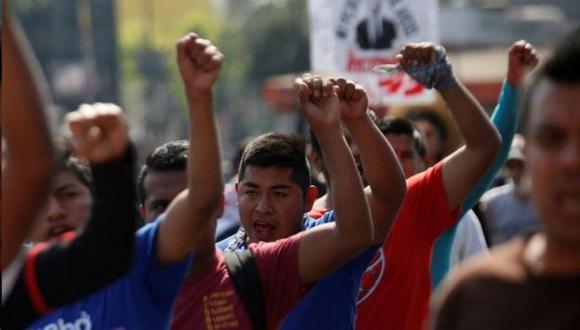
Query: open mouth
[59, 230]
[264, 231]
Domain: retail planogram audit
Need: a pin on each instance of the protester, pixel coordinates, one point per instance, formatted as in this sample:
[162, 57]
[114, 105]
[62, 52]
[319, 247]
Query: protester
[508, 210]
[532, 282]
[434, 133]
[336, 293]
[469, 238]
[273, 194]
[68, 268]
[522, 58]
[433, 199]
[163, 177]
[144, 298]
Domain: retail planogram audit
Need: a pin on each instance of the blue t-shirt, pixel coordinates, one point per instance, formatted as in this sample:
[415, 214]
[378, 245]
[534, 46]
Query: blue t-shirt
[331, 303]
[142, 299]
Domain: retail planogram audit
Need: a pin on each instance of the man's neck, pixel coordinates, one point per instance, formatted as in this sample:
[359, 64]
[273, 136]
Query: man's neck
[549, 256]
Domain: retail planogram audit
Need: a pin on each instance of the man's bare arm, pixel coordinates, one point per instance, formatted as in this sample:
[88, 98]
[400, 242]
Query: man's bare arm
[30, 163]
[462, 169]
[386, 190]
[195, 209]
[327, 247]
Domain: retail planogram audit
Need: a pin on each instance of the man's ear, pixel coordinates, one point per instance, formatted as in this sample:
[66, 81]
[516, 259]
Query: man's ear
[310, 197]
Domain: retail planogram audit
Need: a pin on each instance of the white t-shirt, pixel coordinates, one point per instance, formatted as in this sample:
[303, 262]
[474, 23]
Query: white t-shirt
[469, 239]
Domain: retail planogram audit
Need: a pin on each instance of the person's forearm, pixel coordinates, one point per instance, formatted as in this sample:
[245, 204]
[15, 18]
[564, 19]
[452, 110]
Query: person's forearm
[23, 103]
[504, 118]
[204, 174]
[383, 172]
[348, 198]
[467, 111]
[30, 162]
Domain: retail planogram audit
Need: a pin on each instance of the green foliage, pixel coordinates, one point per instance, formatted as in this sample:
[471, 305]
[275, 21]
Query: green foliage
[277, 39]
[24, 7]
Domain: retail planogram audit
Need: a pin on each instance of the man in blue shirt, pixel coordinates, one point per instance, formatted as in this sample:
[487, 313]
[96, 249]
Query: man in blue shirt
[144, 298]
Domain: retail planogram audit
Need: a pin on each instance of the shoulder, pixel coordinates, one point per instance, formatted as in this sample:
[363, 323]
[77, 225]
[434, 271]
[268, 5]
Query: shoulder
[285, 246]
[432, 175]
[497, 193]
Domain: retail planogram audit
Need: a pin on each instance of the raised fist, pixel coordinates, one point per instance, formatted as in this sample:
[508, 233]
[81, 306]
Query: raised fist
[522, 59]
[428, 64]
[199, 62]
[318, 101]
[99, 132]
[353, 99]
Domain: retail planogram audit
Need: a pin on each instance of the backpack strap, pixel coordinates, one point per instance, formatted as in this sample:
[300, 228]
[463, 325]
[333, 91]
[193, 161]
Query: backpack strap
[243, 271]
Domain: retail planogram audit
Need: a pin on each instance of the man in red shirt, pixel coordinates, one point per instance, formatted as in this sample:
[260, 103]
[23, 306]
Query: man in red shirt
[396, 288]
[274, 192]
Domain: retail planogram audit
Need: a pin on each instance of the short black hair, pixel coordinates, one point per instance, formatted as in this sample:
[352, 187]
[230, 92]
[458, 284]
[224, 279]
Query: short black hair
[402, 126]
[171, 156]
[278, 150]
[67, 161]
[430, 116]
[563, 67]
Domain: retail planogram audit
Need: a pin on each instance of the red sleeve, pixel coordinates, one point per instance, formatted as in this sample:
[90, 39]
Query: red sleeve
[30, 274]
[426, 199]
[277, 264]
[32, 282]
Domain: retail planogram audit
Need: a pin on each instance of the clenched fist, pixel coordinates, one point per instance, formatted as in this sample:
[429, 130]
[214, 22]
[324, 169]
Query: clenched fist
[199, 62]
[353, 99]
[522, 59]
[99, 132]
[318, 101]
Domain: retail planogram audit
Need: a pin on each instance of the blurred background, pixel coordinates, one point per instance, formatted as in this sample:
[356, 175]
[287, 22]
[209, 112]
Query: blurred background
[123, 52]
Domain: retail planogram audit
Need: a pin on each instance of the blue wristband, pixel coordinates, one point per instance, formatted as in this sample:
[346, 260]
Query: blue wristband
[438, 75]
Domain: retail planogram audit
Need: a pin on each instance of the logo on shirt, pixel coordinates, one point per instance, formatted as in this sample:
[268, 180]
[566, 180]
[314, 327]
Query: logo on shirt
[372, 276]
[82, 323]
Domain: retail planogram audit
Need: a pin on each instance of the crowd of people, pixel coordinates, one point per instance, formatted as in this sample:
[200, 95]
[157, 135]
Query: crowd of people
[393, 243]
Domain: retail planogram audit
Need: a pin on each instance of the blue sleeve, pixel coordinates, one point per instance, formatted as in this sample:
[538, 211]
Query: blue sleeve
[163, 281]
[326, 218]
[504, 118]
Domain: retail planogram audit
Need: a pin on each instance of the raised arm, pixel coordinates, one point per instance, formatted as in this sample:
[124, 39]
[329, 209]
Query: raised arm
[190, 219]
[30, 163]
[522, 59]
[383, 172]
[429, 65]
[326, 247]
[104, 250]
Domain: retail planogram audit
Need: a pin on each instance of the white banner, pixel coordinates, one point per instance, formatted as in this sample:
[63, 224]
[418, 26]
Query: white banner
[350, 37]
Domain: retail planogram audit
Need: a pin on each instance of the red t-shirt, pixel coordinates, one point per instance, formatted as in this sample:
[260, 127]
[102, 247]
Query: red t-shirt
[396, 287]
[209, 300]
